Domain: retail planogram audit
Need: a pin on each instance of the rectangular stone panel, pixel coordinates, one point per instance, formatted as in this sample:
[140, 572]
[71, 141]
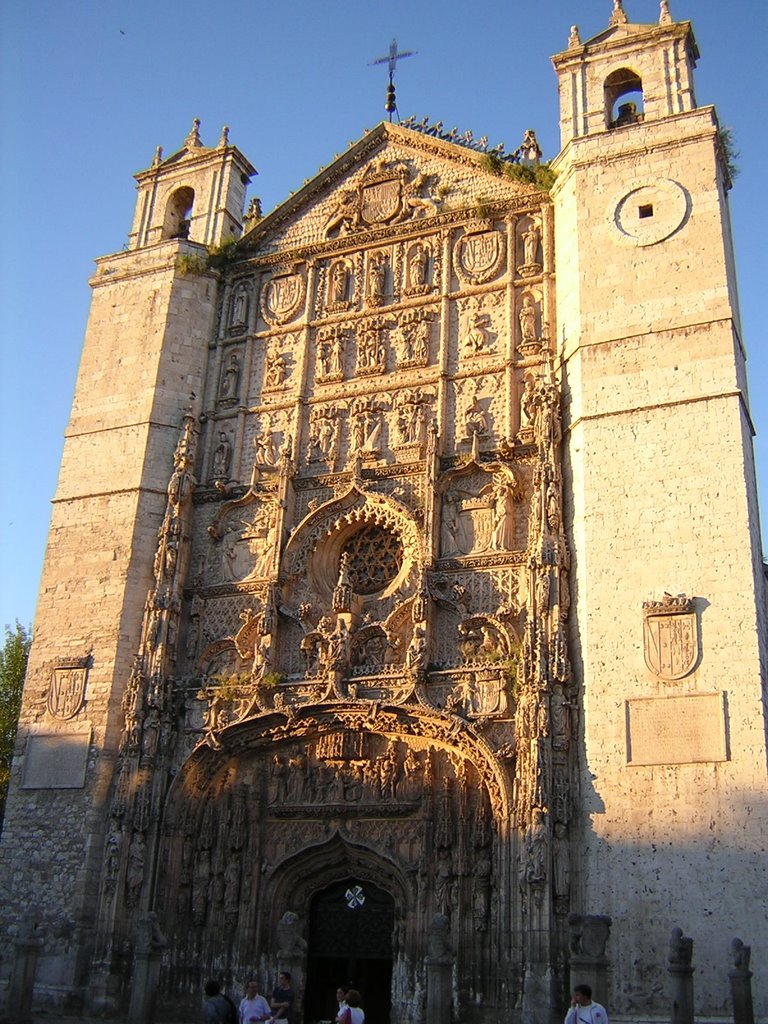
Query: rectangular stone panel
[682, 729]
[56, 760]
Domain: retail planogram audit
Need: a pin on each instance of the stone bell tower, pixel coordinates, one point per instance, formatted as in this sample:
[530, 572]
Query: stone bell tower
[669, 632]
[142, 366]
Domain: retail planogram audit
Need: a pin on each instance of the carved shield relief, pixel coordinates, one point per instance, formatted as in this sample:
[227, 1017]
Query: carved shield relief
[282, 299]
[66, 693]
[380, 201]
[670, 641]
[479, 256]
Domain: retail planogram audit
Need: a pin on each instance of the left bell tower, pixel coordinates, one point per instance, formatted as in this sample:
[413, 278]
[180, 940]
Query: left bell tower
[142, 366]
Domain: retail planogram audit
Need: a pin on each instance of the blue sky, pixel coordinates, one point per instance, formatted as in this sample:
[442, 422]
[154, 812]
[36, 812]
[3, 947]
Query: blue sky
[89, 89]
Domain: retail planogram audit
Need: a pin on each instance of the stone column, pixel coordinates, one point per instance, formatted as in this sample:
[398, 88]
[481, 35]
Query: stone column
[150, 945]
[587, 937]
[741, 983]
[681, 969]
[26, 949]
[439, 963]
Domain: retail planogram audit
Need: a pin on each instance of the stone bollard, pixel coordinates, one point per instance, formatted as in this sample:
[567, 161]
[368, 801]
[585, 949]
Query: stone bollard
[439, 963]
[741, 983]
[588, 936]
[150, 946]
[22, 984]
[680, 967]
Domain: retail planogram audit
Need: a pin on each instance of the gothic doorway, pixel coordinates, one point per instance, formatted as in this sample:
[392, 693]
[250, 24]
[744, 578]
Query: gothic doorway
[350, 943]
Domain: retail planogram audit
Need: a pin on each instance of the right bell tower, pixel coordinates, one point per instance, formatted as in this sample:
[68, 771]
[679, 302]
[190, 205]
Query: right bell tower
[668, 635]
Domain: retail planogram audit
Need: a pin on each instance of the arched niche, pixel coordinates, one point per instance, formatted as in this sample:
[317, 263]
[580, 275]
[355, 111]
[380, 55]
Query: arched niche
[623, 92]
[178, 212]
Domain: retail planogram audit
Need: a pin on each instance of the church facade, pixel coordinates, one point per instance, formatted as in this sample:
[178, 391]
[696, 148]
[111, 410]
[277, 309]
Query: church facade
[403, 619]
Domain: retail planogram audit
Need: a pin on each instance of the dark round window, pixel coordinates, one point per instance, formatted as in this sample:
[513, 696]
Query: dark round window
[375, 559]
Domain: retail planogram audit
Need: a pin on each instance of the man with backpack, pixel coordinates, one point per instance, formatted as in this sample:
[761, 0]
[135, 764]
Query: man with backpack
[219, 1009]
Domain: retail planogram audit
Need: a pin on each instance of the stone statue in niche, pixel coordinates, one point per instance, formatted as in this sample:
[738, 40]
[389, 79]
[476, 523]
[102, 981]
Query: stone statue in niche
[230, 381]
[527, 404]
[339, 284]
[531, 239]
[417, 261]
[239, 313]
[222, 458]
[377, 280]
[527, 318]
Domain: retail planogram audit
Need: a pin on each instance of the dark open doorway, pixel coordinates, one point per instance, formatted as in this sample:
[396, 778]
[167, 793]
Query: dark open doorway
[350, 943]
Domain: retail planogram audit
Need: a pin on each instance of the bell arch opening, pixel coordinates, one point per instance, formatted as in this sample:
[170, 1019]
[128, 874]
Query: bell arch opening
[178, 213]
[623, 91]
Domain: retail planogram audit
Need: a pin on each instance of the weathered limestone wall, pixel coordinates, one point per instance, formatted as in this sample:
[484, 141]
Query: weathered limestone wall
[144, 354]
[662, 498]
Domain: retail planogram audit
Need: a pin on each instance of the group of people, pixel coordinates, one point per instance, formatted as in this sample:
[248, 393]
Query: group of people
[350, 1011]
[220, 1009]
[254, 1008]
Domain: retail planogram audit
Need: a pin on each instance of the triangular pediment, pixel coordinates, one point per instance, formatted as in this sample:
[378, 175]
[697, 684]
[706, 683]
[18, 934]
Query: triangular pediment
[391, 179]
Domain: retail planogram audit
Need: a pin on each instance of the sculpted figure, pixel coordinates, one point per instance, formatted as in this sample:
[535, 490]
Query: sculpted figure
[274, 376]
[339, 281]
[527, 318]
[222, 457]
[230, 380]
[527, 406]
[502, 537]
[239, 306]
[531, 239]
[475, 418]
[377, 280]
[417, 267]
[344, 216]
[476, 338]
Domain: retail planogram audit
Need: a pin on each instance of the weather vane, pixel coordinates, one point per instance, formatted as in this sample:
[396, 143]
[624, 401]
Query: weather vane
[391, 60]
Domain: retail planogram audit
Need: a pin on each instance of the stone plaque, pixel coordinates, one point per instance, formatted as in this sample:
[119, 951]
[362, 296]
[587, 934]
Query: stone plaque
[56, 760]
[676, 730]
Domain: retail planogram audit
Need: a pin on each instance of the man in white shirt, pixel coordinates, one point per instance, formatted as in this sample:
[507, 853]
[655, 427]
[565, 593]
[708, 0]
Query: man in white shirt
[254, 1007]
[583, 1010]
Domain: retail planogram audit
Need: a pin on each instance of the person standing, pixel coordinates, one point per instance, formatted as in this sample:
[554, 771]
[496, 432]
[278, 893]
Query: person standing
[356, 1014]
[219, 1009]
[282, 997]
[341, 1015]
[253, 1007]
[583, 1010]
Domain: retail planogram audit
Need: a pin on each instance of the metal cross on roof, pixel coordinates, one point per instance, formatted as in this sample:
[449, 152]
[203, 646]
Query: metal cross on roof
[391, 61]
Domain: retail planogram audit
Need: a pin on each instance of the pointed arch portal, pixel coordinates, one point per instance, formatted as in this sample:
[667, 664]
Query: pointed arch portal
[351, 926]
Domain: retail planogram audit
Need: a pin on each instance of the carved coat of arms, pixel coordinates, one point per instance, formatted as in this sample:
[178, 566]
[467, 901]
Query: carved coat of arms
[479, 256]
[282, 298]
[670, 636]
[66, 692]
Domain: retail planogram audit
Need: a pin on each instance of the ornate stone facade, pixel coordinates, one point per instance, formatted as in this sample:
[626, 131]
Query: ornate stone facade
[368, 600]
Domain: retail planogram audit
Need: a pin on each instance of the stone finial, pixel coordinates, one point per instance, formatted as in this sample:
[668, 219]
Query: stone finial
[574, 39]
[158, 157]
[193, 139]
[224, 140]
[618, 14]
[665, 18]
